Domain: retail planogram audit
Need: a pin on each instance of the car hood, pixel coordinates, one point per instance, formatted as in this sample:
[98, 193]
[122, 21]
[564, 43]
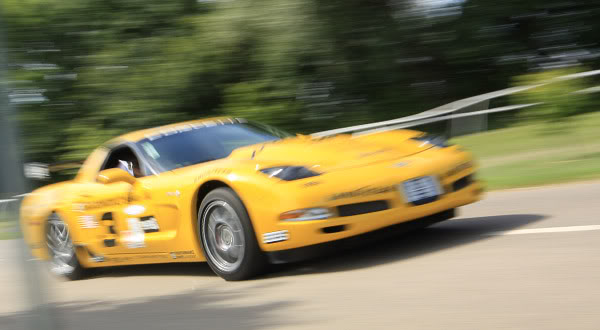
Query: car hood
[334, 153]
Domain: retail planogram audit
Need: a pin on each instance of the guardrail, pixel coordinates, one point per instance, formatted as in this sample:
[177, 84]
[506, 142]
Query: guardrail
[448, 109]
[9, 218]
[9, 208]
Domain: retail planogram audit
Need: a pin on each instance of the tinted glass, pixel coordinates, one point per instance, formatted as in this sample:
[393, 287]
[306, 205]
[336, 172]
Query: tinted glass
[184, 148]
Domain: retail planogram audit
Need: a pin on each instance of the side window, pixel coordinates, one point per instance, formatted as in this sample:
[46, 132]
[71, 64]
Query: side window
[123, 157]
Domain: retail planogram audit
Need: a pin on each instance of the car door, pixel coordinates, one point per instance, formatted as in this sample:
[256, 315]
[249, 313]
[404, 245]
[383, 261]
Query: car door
[154, 203]
[128, 217]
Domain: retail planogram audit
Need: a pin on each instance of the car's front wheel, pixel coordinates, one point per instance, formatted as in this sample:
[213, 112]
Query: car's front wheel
[227, 236]
[63, 260]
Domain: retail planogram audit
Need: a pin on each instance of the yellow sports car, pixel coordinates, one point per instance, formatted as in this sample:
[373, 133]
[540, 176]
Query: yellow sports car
[238, 195]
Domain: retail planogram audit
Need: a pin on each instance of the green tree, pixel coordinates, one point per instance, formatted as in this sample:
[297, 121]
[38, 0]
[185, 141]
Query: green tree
[559, 99]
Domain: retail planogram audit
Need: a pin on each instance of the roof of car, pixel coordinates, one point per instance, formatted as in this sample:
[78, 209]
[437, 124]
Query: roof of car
[136, 136]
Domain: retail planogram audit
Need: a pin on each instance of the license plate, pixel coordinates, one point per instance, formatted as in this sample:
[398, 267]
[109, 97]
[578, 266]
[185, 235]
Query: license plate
[423, 189]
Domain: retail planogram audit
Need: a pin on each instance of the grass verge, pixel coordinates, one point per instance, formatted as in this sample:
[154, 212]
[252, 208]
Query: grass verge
[538, 154]
[9, 230]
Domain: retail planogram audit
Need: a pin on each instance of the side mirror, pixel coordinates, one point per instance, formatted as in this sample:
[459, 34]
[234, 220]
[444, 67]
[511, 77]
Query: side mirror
[112, 175]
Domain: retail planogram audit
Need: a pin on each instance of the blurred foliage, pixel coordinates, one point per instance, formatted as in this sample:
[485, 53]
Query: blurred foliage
[559, 99]
[85, 71]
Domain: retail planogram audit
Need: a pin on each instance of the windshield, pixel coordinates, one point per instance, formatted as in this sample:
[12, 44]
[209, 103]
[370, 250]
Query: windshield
[201, 144]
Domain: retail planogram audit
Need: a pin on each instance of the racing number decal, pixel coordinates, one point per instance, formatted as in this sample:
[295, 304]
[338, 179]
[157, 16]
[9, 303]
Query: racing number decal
[109, 223]
[133, 237]
[137, 228]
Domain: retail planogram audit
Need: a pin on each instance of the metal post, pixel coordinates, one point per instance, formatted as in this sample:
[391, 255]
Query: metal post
[12, 183]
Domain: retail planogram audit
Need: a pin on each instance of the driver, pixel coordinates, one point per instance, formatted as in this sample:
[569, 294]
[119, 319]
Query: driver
[126, 166]
[129, 168]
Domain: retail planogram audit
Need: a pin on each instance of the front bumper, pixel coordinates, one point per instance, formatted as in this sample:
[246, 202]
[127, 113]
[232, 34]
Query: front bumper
[323, 249]
[293, 235]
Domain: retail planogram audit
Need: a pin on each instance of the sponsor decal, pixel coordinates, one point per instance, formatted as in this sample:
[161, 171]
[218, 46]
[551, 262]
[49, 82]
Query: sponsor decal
[312, 183]
[78, 207]
[127, 259]
[117, 259]
[175, 193]
[459, 168]
[149, 224]
[400, 164]
[106, 203]
[134, 210]
[189, 127]
[97, 259]
[94, 257]
[364, 191]
[215, 171]
[87, 221]
[151, 256]
[134, 236]
[183, 254]
[367, 154]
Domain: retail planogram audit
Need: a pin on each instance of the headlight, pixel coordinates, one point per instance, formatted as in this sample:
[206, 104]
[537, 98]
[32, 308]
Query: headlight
[289, 173]
[317, 213]
[435, 140]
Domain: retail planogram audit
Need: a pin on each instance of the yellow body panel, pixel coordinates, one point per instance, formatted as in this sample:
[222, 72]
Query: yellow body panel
[355, 170]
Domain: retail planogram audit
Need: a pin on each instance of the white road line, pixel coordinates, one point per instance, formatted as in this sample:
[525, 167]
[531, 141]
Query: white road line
[543, 230]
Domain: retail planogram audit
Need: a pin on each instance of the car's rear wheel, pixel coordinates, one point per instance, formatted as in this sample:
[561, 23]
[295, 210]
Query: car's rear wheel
[63, 260]
[227, 236]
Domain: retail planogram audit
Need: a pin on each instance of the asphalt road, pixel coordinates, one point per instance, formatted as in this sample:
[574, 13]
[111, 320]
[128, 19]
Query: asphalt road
[520, 259]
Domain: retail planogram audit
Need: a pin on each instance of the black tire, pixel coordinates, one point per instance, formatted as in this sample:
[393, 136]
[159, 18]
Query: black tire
[252, 262]
[70, 267]
[79, 272]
